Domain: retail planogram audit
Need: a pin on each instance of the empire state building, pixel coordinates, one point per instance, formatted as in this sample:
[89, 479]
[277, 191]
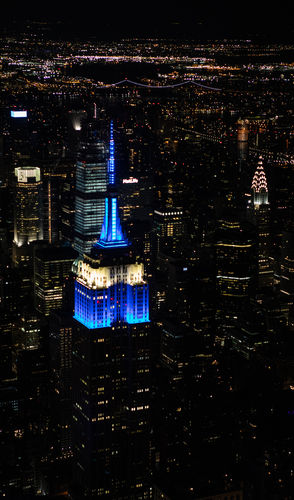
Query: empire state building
[111, 365]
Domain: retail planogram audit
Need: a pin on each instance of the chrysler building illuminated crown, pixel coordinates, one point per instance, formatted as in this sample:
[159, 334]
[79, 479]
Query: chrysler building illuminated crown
[259, 186]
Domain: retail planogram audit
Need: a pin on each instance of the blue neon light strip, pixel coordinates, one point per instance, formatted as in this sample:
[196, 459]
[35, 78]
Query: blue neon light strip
[111, 233]
[111, 163]
[104, 229]
[113, 219]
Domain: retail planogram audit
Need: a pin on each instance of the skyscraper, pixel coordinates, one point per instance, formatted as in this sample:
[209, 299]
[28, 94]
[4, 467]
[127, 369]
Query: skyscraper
[169, 227]
[52, 266]
[28, 223]
[111, 366]
[235, 259]
[91, 184]
[260, 215]
[60, 343]
[67, 208]
[27, 220]
[259, 186]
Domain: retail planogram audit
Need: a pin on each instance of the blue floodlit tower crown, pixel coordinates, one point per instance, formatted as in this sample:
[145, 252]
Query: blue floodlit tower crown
[107, 294]
[112, 235]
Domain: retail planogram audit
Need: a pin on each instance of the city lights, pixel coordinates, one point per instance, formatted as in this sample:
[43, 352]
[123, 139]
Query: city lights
[146, 253]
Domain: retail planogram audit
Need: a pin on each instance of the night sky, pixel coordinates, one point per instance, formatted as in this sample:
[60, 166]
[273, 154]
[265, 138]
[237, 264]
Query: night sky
[106, 20]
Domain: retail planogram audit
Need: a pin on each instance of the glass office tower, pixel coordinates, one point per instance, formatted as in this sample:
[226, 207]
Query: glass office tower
[91, 185]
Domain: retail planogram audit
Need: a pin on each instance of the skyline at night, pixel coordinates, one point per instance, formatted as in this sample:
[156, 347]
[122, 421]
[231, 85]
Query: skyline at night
[146, 253]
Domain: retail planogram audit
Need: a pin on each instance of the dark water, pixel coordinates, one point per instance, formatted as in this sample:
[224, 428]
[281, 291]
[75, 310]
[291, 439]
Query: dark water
[110, 73]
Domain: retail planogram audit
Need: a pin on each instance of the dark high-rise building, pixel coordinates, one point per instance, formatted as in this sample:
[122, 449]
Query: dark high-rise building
[170, 263]
[169, 227]
[91, 184]
[67, 208]
[11, 476]
[52, 266]
[6, 221]
[235, 263]
[27, 332]
[54, 197]
[111, 367]
[287, 272]
[32, 381]
[130, 205]
[60, 344]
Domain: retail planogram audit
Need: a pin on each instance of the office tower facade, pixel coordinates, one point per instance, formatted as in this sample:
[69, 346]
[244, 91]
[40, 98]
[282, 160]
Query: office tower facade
[168, 235]
[130, 199]
[52, 266]
[32, 381]
[54, 198]
[91, 184]
[235, 263]
[287, 271]
[111, 367]
[27, 332]
[9, 313]
[67, 208]
[169, 227]
[28, 224]
[6, 220]
[27, 216]
[60, 345]
[260, 216]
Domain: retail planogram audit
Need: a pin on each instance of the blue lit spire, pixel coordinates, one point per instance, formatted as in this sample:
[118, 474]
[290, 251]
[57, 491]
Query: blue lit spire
[111, 164]
[111, 233]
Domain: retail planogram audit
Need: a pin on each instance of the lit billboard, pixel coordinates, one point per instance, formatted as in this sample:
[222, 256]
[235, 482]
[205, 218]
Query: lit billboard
[18, 114]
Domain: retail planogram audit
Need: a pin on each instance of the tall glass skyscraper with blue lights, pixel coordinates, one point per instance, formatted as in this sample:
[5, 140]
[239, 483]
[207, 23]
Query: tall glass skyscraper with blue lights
[111, 360]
